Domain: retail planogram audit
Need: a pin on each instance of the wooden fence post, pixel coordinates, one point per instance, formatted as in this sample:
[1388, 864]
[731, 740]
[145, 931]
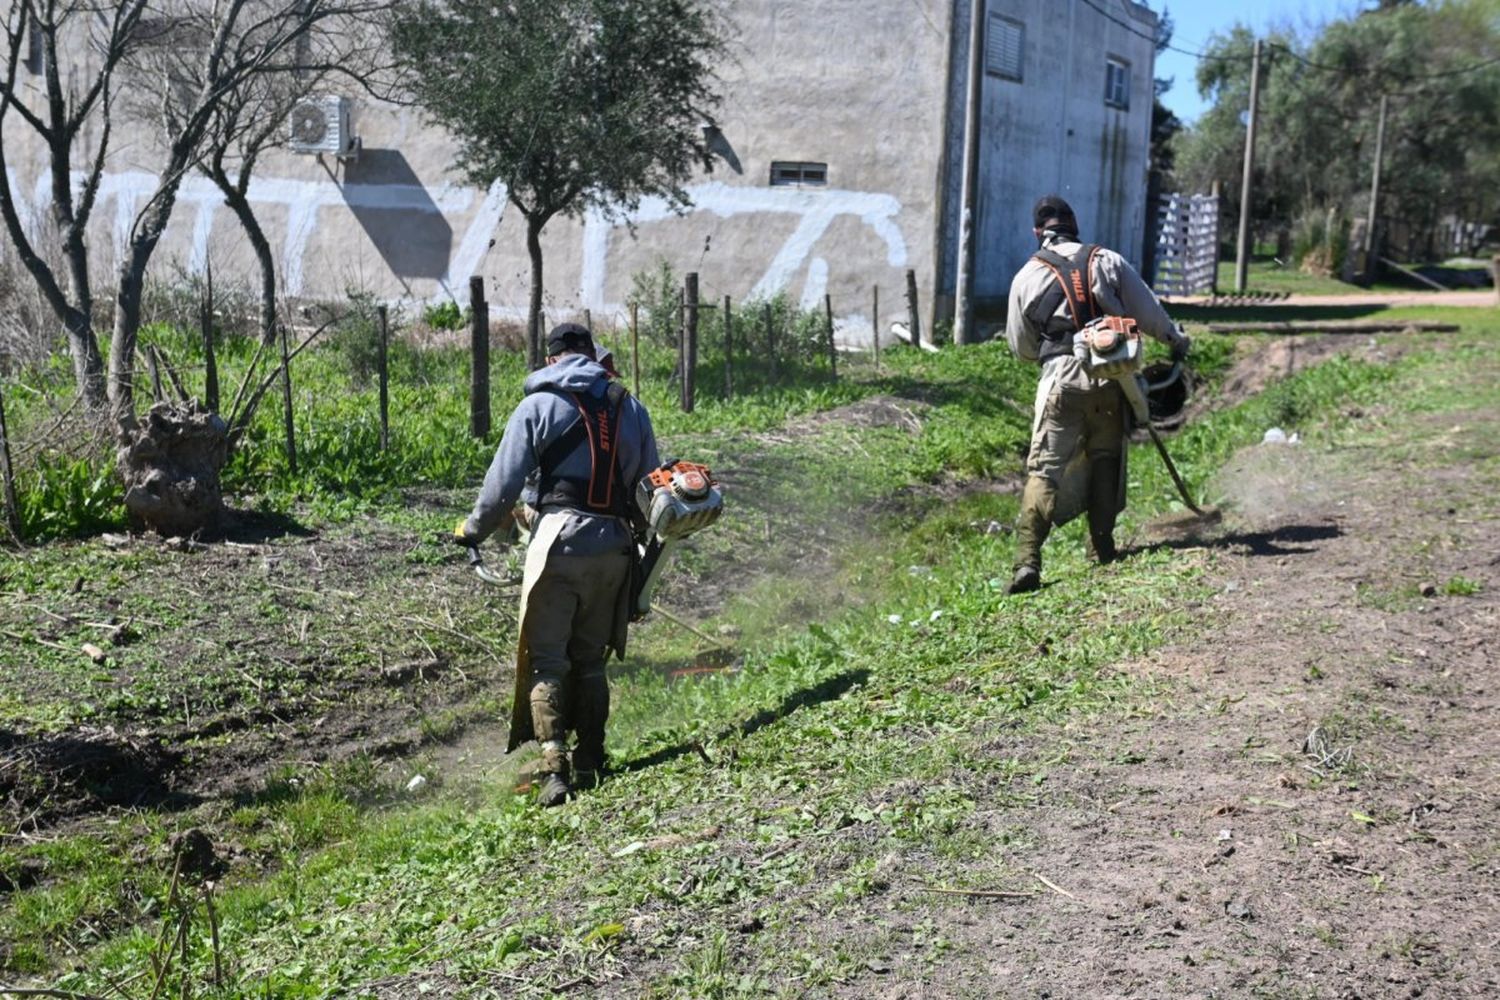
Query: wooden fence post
[382, 315]
[771, 342]
[681, 340]
[210, 363]
[833, 360]
[635, 344]
[913, 317]
[8, 477]
[875, 324]
[689, 340]
[728, 351]
[286, 403]
[479, 350]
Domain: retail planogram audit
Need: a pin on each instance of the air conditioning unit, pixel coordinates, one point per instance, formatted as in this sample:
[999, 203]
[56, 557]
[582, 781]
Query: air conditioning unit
[321, 125]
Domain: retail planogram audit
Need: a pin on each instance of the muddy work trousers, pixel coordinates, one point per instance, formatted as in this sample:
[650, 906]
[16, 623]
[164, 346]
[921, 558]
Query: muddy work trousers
[1075, 461]
[569, 624]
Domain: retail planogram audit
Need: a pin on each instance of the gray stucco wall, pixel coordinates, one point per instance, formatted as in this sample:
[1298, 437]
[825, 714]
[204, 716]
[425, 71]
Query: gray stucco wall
[858, 85]
[1053, 132]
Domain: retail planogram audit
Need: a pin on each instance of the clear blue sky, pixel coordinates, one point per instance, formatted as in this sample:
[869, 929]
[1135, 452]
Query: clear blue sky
[1196, 20]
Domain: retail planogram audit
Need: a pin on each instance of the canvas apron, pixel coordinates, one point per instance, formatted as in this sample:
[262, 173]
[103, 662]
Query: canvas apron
[1069, 474]
[544, 535]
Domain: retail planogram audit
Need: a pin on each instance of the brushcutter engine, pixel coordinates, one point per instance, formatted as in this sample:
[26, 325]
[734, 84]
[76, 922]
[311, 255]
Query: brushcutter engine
[1110, 347]
[678, 499]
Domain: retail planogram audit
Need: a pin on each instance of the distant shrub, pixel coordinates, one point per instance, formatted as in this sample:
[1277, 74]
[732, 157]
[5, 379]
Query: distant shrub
[1320, 241]
[446, 316]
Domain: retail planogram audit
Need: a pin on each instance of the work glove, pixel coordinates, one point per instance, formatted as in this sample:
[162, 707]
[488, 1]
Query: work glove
[1180, 346]
[462, 536]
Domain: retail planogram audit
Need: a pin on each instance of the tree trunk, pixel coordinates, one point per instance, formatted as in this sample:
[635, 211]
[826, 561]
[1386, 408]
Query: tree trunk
[170, 461]
[240, 206]
[534, 224]
[88, 363]
[132, 280]
[75, 316]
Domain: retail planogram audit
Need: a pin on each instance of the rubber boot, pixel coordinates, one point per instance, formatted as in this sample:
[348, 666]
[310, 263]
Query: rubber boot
[1103, 508]
[591, 712]
[552, 733]
[552, 790]
[1032, 527]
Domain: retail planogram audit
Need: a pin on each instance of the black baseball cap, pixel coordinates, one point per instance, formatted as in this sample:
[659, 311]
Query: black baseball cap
[570, 337]
[1054, 209]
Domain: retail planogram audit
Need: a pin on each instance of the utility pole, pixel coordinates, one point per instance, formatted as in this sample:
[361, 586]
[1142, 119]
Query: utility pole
[1375, 188]
[1242, 248]
[963, 320]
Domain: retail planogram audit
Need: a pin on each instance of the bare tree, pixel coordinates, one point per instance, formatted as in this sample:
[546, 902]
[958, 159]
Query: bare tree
[76, 49]
[254, 119]
[214, 68]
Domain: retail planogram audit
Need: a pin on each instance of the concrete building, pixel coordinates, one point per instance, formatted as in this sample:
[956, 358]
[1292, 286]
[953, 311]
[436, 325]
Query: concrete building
[839, 158]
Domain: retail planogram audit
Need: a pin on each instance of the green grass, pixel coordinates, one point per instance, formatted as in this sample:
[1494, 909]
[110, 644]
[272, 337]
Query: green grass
[853, 731]
[1266, 276]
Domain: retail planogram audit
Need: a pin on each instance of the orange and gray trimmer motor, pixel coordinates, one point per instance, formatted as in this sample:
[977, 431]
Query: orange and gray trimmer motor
[678, 499]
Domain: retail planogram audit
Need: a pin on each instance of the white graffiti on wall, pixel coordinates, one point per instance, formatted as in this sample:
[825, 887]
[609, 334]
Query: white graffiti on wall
[304, 201]
[815, 208]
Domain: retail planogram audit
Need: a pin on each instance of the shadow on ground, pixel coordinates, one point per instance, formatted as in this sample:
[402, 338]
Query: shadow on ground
[1286, 540]
[826, 690]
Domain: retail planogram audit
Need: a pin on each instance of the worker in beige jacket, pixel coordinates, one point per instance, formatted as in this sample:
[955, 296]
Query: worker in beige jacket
[1077, 457]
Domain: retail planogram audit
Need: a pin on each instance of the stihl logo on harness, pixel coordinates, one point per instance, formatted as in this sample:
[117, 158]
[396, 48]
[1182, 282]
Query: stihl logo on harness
[597, 428]
[1075, 285]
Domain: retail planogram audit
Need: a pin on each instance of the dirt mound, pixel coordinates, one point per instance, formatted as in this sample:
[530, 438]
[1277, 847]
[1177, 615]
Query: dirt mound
[1270, 360]
[45, 777]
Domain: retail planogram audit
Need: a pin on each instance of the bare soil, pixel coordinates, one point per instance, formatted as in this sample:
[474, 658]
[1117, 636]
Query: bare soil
[1310, 807]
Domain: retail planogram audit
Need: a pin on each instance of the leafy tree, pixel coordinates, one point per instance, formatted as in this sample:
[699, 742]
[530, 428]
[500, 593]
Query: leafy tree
[1164, 124]
[571, 104]
[1439, 65]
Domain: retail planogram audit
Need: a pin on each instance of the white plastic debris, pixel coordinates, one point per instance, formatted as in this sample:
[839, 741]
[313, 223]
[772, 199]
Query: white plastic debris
[1225, 835]
[416, 784]
[1274, 435]
[935, 615]
[893, 619]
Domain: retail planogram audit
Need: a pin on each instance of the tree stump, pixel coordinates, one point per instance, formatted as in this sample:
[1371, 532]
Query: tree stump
[170, 461]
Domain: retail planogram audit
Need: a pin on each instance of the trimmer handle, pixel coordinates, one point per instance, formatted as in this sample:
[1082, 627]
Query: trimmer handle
[1173, 374]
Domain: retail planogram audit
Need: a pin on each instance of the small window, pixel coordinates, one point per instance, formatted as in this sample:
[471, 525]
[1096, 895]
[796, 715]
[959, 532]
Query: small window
[784, 172]
[1003, 47]
[1117, 83]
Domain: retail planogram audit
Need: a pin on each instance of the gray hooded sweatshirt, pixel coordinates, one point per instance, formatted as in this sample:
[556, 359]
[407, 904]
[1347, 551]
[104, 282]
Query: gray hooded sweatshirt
[541, 418]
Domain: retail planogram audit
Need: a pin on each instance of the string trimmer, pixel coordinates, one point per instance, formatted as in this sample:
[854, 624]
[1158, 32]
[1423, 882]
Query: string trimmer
[1111, 348]
[476, 561]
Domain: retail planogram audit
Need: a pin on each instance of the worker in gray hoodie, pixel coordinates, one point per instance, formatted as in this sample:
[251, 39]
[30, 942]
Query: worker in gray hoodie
[573, 452]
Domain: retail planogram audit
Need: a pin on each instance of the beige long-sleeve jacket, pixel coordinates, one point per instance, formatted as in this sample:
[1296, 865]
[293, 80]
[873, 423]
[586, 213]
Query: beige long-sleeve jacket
[1118, 289]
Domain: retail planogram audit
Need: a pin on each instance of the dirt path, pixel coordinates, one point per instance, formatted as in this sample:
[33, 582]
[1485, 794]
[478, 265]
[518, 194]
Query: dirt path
[1470, 299]
[1310, 809]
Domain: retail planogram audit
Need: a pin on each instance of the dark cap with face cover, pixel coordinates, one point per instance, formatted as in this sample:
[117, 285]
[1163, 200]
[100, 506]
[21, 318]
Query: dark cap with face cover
[1052, 212]
[570, 337]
